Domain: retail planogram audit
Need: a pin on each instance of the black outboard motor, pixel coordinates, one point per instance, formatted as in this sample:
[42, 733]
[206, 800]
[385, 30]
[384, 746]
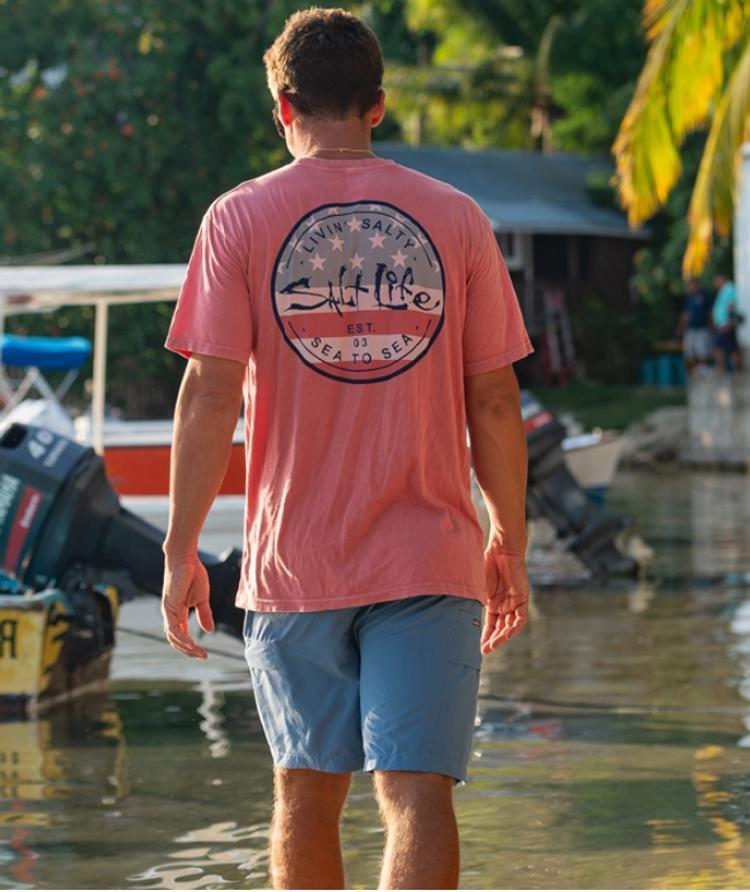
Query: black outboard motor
[62, 523]
[553, 493]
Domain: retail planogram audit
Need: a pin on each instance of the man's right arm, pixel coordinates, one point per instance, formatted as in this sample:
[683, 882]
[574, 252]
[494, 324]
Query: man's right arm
[498, 450]
[499, 456]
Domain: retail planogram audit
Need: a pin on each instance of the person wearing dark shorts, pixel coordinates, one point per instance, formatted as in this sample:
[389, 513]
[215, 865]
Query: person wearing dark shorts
[364, 313]
[726, 320]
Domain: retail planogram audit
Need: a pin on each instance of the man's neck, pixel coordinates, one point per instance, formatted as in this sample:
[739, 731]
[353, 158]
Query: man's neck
[333, 141]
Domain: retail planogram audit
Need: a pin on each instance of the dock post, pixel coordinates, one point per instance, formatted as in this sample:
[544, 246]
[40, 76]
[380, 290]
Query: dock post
[100, 372]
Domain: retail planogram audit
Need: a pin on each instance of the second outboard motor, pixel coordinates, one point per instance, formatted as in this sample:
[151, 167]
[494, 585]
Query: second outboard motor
[553, 493]
[61, 521]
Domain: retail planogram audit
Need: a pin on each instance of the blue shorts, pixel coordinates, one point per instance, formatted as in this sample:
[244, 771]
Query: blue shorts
[727, 340]
[390, 686]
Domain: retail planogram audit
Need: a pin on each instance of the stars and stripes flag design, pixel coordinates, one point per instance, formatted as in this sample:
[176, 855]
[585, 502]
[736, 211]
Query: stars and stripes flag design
[358, 291]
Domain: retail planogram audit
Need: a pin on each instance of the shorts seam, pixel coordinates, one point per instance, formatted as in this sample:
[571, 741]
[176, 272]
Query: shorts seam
[432, 754]
[356, 759]
[455, 767]
[335, 754]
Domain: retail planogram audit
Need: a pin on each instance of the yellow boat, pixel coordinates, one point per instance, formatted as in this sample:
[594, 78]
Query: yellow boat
[54, 644]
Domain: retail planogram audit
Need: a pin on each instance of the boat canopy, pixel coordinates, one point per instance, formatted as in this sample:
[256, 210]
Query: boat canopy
[44, 353]
[34, 289]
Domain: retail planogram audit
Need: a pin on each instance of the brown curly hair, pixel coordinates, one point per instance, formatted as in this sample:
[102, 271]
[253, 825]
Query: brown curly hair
[327, 61]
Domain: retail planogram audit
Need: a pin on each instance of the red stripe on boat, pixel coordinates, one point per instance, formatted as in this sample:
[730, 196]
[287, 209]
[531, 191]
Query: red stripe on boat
[144, 470]
[29, 505]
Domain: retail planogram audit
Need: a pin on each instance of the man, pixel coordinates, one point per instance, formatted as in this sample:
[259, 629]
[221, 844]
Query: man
[726, 319]
[695, 326]
[365, 312]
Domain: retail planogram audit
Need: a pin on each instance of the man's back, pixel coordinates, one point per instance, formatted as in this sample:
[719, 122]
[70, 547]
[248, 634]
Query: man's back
[360, 292]
[367, 315]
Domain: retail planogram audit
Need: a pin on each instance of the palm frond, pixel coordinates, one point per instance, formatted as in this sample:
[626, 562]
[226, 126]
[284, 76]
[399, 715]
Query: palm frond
[683, 74]
[645, 149]
[655, 16]
[712, 202]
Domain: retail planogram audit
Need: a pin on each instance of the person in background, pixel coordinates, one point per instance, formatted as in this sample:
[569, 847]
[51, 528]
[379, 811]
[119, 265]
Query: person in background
[695, 326]
[726, 320]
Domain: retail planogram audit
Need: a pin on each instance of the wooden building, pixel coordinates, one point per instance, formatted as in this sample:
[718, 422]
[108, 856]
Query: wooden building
[563, 240]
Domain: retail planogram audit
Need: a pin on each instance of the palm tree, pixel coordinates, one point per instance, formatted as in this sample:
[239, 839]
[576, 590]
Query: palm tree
[697, 73]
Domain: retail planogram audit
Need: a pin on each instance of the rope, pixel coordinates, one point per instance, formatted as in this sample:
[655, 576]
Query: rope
[149, 636]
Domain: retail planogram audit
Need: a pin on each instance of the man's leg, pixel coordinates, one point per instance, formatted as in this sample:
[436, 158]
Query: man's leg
[688, 352]
[305, 673]
[305, 845]
[736, 355]
[419, 681]
[421, 843]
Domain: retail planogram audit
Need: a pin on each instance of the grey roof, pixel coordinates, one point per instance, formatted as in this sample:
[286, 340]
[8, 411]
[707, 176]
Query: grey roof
[521, 191]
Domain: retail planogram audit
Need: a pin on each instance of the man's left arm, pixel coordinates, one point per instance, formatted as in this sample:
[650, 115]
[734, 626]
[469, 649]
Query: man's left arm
[208, 406]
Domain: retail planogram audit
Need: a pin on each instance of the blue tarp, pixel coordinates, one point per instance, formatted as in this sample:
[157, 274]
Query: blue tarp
[44, 353]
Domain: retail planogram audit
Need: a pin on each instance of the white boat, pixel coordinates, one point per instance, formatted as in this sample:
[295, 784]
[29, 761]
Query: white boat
[135, 453]
[593, 459]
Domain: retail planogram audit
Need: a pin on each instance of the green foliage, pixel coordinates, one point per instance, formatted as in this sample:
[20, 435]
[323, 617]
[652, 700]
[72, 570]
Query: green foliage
[483, 70]
[514, 22]
[121, 123]
[611, 407]
[658, 279]
[658, 285]
[589, 112]
[696, 76]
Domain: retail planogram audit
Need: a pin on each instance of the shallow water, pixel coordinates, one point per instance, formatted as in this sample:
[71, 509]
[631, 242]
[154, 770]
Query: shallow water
[612, 750]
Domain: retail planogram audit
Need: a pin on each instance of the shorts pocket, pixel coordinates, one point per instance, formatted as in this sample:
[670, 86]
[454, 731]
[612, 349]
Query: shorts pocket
[261, 655]
[466, 647]
[258, 654]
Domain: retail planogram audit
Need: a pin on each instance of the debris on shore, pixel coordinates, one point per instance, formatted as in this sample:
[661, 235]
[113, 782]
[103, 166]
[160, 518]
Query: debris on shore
[657, 439]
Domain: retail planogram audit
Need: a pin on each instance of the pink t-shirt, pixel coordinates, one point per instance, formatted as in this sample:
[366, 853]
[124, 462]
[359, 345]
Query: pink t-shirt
[358, 293]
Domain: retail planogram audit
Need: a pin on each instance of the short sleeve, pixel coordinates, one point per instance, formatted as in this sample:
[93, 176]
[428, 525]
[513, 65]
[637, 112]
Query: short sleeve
[213, 314]
[494, 331]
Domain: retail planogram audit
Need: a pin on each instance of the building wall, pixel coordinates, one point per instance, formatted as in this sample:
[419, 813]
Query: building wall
[584, 269]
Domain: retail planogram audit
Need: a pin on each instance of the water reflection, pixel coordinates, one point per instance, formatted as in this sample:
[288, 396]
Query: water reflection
[36, 768]
[81, 809]
[213, 720]
[740, 626]
[217, 846]
[719, 511]
[612, 746]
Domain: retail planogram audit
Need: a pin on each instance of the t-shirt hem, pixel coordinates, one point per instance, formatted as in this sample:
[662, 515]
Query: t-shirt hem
[458, 589]
[500, 360]
[187, 346]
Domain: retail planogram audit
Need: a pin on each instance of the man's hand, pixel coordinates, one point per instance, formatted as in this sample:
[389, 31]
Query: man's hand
[208, 406]
[508, 599]
[498, 452]
[185, 587]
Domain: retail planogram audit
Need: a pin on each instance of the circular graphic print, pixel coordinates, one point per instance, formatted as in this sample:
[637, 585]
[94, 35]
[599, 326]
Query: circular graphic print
[358, 290]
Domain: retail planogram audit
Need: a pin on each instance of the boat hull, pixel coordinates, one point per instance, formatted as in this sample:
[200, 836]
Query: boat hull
[143, 470]
[593, 461]
[54, 645]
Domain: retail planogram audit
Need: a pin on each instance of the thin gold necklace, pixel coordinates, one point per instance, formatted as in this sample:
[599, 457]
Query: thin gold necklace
[313, 154]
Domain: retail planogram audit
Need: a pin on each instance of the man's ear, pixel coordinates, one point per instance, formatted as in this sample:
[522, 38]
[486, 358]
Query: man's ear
[286, 109]
[377, 112]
